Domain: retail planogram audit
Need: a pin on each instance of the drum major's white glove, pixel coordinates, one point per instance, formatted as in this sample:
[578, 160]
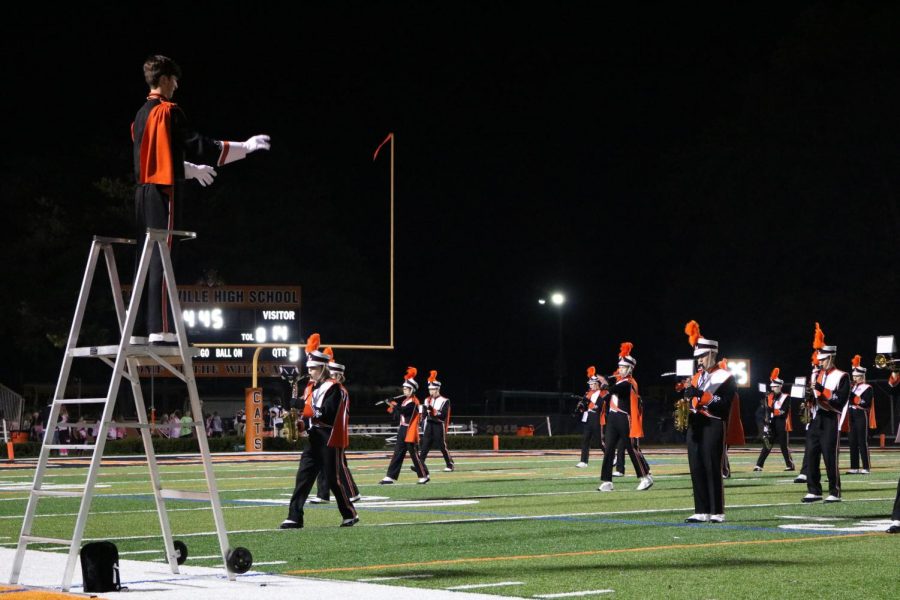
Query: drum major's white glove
[232, 151]
[202, 173]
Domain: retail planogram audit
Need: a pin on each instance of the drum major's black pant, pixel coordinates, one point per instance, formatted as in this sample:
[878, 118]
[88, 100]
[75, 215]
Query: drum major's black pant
[319, 457]
[435, 437]
[781, 438]
[859, 442]
[152, 209]
[618, 426]
[824, 443]
[706, 452]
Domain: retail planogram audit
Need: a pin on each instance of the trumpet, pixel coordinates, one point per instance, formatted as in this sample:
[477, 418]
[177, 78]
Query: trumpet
[887, 361]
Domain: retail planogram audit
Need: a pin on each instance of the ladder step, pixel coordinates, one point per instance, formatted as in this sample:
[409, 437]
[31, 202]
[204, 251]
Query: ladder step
[36, 539]
[80, 401]
[70, 446]
[184, 495]
[59, 493]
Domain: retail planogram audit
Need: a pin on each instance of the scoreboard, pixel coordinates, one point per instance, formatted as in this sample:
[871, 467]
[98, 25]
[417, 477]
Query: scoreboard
[239, 314]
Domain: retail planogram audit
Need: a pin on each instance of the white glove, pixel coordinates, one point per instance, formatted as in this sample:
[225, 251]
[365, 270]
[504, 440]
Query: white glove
[233, 151]
[202, 173]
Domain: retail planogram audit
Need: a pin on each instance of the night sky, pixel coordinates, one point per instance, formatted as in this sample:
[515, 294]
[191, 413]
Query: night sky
[657, 163]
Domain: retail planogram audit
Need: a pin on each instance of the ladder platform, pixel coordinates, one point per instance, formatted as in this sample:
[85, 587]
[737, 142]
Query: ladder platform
[183, 495]
[144, 354]
[37, 539]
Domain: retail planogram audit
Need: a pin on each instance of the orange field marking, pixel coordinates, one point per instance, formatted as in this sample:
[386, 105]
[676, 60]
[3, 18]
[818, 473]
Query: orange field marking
[581, 553]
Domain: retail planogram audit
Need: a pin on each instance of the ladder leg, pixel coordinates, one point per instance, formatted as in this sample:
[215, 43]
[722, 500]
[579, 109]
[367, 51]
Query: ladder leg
[108, 411]
[155, 480]
[196, 410]
[61, 383]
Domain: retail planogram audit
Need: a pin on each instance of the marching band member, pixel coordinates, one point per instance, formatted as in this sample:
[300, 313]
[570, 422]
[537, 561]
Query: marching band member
[326, 408]
[624, 421]
[338, 374]
[862, 418]
[806, 415]
[711, 392]
[436, 409]
[831, 391]
[591, 408]
[407, 431]
[778, 406]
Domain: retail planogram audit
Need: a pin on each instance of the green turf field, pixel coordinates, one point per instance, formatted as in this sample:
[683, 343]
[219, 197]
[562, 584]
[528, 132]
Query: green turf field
[520, 524]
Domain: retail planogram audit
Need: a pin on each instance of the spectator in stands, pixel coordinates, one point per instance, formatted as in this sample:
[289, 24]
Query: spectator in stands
[175, 424]
[186, 430]
[216, 424]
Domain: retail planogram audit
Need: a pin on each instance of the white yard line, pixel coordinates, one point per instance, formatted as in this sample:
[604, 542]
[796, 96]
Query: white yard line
[597, 514]
[573, 594]
[129, 552]
[475, 586]
[374, 579]
[269, 562]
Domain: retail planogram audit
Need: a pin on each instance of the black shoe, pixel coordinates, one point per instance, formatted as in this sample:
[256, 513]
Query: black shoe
[893, 529]
[790, 469]
[413, 468]
[350, 522]
[290, 524]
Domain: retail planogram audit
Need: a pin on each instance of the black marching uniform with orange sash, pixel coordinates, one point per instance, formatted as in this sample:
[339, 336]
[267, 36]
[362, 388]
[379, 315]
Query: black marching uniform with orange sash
[326, 408]
[712, 394]
[831, 392]
[163, 139]
[623, 422]
[407, 439]
[779, 410]
[862, 418]
[434, 431]
[346, 476]
[590, 418]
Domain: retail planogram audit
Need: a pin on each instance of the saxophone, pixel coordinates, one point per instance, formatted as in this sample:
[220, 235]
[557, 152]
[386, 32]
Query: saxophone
[806, 405]
[291, 431]
[682, 411]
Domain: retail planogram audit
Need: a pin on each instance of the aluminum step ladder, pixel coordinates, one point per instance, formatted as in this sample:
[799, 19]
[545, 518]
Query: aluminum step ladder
[124, 358]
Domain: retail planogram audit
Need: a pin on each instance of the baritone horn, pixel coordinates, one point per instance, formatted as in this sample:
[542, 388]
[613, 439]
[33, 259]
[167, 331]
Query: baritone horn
[887, 361]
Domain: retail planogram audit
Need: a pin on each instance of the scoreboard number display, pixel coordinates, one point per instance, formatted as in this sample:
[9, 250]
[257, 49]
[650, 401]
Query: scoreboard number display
[240, 314]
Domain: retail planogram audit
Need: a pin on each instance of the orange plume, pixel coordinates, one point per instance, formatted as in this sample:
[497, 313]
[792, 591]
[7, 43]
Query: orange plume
[856, 360]
[625, 349]
[312, 342]
[411, 373]
[432, 377]
[723, 364]
[815, 357]
[591, 371]
[774, 374]
[692, 329]
[819, 339]
[329, 352]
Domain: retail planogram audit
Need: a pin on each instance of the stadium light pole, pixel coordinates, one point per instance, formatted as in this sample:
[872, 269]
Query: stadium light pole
[558, 299]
